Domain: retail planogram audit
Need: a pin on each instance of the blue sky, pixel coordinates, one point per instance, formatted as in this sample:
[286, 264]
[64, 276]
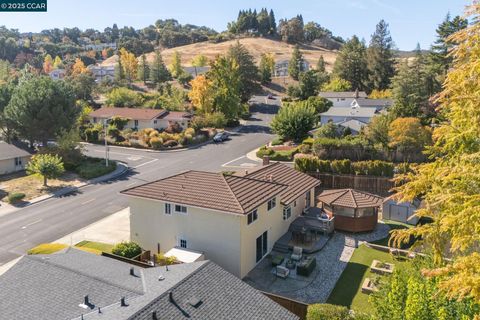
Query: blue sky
[411, 21]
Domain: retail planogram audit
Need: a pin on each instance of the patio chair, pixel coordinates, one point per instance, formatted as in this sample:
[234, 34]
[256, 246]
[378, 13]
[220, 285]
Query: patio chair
[296, 254]
[281, 272]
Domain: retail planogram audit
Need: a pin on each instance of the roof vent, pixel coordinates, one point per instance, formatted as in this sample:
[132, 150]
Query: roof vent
[161, 277]
[123, 302]
[132, 272]
[195, 302]
[86, 303]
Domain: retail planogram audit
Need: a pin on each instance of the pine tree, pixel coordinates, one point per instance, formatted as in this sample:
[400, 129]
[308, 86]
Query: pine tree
[176, 66]
[143, 69]
[272, 22]
[158, 71]
[321, 64]
[267, 63]
[351, 64]
[295, 64]
[247, 69]
[380, 58]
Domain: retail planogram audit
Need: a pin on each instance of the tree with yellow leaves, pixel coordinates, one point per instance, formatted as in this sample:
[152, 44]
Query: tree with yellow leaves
[78, 67]
[47, 64]
[201, 94]
[450, 184]
[176, 66]
[129, 64]
[57, 63]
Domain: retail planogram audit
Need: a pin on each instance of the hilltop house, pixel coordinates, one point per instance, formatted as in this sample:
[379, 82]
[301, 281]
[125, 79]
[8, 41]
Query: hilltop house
[141, 118]
[281, 68]
[77, 285]
[342, 99]
[12, 158]
[102, 73]
[234, 220]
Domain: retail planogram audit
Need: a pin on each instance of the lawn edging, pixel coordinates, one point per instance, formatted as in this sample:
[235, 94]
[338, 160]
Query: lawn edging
[120, 170]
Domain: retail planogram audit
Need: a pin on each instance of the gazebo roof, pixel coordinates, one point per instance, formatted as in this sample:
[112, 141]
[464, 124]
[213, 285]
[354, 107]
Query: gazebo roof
[350, 198]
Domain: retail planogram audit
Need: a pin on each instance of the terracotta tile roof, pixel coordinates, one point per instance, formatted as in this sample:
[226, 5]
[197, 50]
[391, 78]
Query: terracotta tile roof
[209, 190]
[298, 182]
[132, 113]
[350, 198]
[176, 115]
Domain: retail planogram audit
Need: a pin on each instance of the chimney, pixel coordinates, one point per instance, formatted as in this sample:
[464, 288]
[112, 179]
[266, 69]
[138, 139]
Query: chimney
[266, 160]
[86, 301]
[123, 302]
[132, 271]
[99, 310]
[356, 93]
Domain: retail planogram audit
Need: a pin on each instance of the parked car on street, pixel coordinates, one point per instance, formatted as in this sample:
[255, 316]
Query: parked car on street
[221, 136]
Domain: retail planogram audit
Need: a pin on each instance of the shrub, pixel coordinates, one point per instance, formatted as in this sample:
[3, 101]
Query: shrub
[165, 261]
[293, 121]
[306, 163]
[210, 120]
[186, 139]
[91, 169]
[354, 148]
[341, 166]
[91, 134]
[15, 197]
[123, 97]
[127, 249]
[327, 312]
[119, 122]
[277, 141]
[113, 131]
[304, 148]
[309, 141]
[264, 151]
[373, 168]
[170, 143]
[174, 128]
[156, 143]
[190, 131]
[284, 155]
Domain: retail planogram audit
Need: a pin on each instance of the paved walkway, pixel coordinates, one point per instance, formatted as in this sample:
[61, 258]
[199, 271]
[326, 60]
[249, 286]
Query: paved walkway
[331, 261]
[112, 229]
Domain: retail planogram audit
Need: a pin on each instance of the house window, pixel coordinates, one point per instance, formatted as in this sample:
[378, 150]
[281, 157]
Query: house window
[182, 243]
[261, 246]
[180, 209]
[136, 123]
[287, 212]
[154, 121]
[168, 208]
[18, 161]
[295, 203]
[271, 203]
[252, 216]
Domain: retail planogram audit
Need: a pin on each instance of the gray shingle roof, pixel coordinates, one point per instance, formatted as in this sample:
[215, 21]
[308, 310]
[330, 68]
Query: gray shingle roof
[344, 94]
[9, 151]
[353, 124]
[53, 286]
[374, 102]
[349, 112]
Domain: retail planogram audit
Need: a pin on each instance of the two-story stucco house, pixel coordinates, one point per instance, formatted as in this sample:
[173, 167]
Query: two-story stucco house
[141, 118]
[234, 220]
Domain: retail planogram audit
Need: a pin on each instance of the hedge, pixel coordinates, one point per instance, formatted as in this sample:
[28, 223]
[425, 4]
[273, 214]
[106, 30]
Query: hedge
[327, 312]
[310, 163]
[283, 155]
[127, 249]
[15, 197]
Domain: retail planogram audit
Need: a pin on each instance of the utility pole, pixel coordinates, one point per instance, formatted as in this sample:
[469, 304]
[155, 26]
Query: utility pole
[106, 143]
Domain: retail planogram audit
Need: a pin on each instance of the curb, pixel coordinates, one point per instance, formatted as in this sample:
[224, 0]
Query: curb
[67, 190]
[150, 150]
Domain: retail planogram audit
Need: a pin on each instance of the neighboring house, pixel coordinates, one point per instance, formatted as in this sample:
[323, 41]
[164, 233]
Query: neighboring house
[400, 211]
[142, 118]
[100, 46]
[102, 73]
[12, 158]
[57, 74]
[378, 104]
[196, 71]
[74, 284]
[342, 99]
[341, 114]
[355, 126]
[353, 210]
[281, 68]
[234, 220]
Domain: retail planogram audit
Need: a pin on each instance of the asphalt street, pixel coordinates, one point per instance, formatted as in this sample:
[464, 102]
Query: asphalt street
[54, 218]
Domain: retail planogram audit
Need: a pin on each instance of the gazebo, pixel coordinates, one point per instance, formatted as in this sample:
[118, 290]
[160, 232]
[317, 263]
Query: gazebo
[354, 211]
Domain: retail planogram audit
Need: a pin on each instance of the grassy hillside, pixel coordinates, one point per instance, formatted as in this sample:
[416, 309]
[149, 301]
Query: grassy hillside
[256, 46]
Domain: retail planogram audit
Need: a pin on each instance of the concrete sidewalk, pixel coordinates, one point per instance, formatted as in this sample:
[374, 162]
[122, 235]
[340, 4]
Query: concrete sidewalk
[6, 208]
[113, 229]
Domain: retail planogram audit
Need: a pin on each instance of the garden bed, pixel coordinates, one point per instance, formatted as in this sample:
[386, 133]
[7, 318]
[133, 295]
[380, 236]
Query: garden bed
[94, 247]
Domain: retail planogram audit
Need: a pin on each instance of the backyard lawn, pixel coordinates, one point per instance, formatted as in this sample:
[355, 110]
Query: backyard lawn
[348, 290]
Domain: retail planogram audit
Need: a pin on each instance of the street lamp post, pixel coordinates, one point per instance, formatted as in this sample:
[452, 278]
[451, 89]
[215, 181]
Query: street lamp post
[106, 143]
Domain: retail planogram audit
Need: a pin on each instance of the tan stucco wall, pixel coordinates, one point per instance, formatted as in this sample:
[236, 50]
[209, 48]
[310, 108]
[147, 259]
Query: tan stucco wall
[8, 165]
[216, 234]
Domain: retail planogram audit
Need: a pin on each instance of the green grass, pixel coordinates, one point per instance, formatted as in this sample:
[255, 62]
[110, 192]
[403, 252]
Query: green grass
[393, 225]
[47, 248]
[348, 290]
[94, 247]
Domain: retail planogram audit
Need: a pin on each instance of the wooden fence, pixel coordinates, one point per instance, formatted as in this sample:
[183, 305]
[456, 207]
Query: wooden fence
[376, 185]
[295, 307]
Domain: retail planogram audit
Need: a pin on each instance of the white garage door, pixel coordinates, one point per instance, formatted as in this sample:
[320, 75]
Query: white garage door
[398, 213]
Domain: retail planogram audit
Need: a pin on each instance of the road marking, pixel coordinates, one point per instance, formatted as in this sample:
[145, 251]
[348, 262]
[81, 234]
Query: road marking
[88, 201]
[227, 163]
[143, 164]
[130, 184]
[31, 223]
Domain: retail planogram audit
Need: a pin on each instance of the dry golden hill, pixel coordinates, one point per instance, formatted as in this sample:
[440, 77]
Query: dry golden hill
[256, 46]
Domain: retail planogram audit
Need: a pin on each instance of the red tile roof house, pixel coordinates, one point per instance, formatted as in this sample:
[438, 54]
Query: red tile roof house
[141, 118]
[234, 220]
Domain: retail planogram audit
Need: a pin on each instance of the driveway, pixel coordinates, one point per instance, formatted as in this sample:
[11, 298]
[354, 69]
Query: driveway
[57, 217]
